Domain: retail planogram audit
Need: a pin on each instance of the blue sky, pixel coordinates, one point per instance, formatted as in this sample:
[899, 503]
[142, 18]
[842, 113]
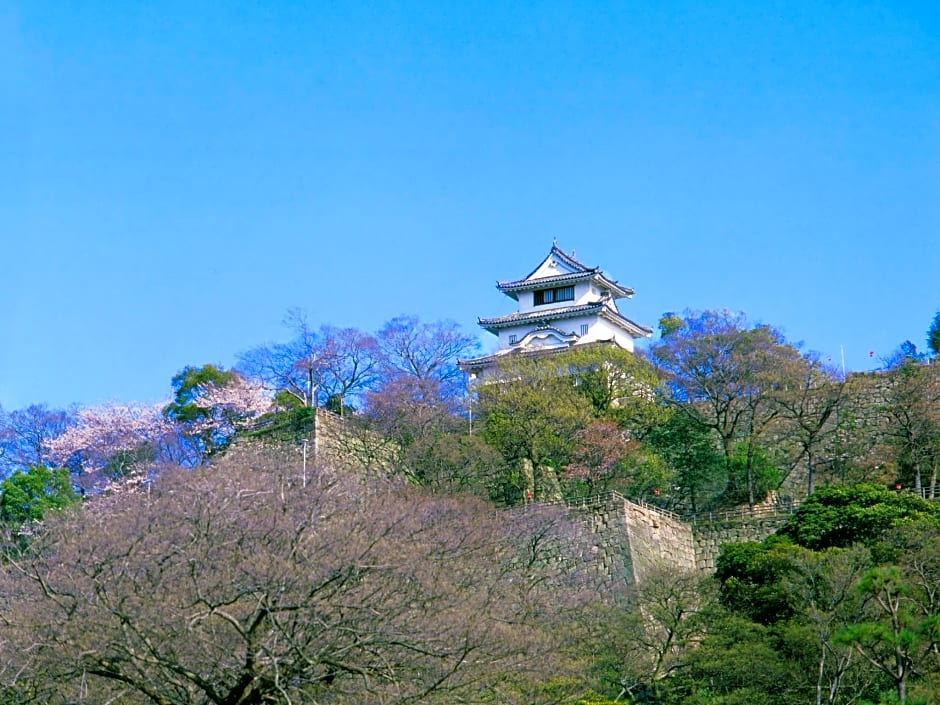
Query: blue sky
[174, 176]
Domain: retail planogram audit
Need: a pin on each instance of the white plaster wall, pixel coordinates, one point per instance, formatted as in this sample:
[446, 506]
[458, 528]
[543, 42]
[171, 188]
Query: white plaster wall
[584, 293]
[598, 329]
[527, 301]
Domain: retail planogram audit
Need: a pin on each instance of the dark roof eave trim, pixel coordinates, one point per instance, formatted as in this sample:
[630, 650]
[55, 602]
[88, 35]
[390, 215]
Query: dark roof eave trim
[514, 287]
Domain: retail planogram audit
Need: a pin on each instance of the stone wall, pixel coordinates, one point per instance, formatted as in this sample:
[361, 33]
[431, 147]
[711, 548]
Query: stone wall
[622, 541]
[630, 540]
[657, 540]
[607, 537]
[335, 441]
[708, 538]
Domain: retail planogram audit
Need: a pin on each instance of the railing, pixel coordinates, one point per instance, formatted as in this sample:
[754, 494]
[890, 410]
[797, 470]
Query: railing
[761, 511]
[925, 493]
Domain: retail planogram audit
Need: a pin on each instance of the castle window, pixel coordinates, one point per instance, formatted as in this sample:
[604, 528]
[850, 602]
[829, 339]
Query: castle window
[584, 328]
[512, 339]
[550, 296]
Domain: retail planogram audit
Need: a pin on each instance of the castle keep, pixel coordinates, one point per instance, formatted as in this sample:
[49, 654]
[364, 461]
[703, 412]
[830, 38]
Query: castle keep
[562, 303]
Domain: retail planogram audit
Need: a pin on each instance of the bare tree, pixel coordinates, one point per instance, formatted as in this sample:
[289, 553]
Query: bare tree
[912, 412]
[315, 366]
[724, 375]
[25, 434]
[233, 586]
[296, 368]
[425, 353]
[351, 361]
[809, 406]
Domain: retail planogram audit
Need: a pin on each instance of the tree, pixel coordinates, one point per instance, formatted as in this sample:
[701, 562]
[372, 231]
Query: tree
[750, 576]
[533, 418]
[619, 384]
[912, 411]
[821, 587]
[209, 402]
[841, 516]
[605, 458]
[314, 366]
[644, 646]
[229, 408]
[809, 406]
[426, 355]
[739, 662]
[108, 441]
[699, 471]
[724, 375]
[296, 368]
[933, 335]
[28, 496]
[189, 386]
[418, 392]
[350, 358]
[234, 586]
[25, 433]
[899, 637]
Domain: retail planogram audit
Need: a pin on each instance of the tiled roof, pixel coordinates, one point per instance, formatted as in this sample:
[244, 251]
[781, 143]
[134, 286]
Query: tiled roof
[542, 281]
[547, 315]
[616, 289]
[582, 273]
[556, 314]
[478, 362]
[564, 257]
[635, 329]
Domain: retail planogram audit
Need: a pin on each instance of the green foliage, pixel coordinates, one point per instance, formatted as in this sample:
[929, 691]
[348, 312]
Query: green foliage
[28, 496]
[287, 401]
[738, 663]
[751, 579]
[592, 698]
[898, 636]
[536, 415]
[690, 449]
[748, 460]
[188, 385]
[843, 515]
[669, 323]
[292, 425]
[618, 384]
[933, 335]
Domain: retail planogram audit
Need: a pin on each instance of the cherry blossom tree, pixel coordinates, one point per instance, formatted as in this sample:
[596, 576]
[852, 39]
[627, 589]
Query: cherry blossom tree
[231, 406]
[108, 440]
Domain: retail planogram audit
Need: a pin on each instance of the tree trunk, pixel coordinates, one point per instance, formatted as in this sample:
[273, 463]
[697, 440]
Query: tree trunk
[810, 474]
[819, 675]
[750, 475]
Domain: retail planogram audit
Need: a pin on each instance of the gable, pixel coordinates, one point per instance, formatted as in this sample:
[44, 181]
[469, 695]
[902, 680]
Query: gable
[552, 266]
[547, 337]
[557, 263]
